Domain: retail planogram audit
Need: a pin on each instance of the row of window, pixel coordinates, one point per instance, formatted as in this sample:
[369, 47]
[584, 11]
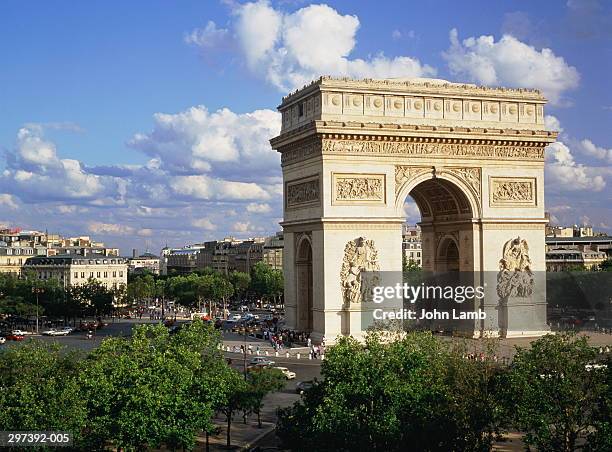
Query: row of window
[8, 261]
[91, 274]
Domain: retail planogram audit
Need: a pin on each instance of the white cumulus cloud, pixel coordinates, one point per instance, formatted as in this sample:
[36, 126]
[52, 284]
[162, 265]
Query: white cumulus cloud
[564, 174]
[35, 173]
[209, 36]
[598, 152]
[291, 49]
[197, 141]
[8, 201]
[511, 62]
[203, 223]
[110, 228]
[258, 208]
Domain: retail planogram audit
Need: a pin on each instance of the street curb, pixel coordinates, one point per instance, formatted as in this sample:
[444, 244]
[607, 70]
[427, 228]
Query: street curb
[259, 437]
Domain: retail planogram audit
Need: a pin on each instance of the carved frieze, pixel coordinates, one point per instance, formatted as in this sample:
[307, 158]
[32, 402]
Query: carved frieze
[445, 149]
[359, 272]
[368, 188]
[301, 151]
[508, 192]
[515, 278]
[302, 193]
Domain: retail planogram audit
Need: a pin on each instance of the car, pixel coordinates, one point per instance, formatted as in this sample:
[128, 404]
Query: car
[303, 386]
[260, 360]
[236, 317]
[54, 332]
[2, 340]
[15, 337]
[68, 329]
[19, 332]
[289, 375]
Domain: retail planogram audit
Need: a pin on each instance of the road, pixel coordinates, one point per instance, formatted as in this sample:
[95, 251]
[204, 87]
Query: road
[304, 368]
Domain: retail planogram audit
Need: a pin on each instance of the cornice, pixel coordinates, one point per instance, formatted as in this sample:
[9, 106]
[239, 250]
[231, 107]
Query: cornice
[415, 133]
[415, 86]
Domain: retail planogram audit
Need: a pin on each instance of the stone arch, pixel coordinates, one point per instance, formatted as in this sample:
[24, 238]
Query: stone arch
[304, 283]
[447, 253]
[353, 150]
[452, 181]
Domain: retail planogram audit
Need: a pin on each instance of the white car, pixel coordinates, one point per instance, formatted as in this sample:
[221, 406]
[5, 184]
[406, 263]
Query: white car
[19, 332]
[67, 329]
[236, 317]
[54, 332]
[289, 375]
[2, 340]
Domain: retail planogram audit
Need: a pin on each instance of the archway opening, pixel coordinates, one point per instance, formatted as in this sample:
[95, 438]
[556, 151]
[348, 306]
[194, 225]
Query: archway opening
[304, 286]
[443, 215]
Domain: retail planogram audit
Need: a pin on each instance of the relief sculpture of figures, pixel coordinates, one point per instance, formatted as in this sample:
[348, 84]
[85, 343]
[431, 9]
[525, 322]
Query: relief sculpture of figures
[359, 188]
[302, 193]
[515, 278]
[513, 191]
[360, 255]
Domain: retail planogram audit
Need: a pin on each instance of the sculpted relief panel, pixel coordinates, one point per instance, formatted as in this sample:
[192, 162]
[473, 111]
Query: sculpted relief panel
[510, 192]
[404, 173]
[360, 255]
[303, 193]
[369, 188]
[515, 278]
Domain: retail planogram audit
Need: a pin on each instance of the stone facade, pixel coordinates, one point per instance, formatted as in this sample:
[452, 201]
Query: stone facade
[74, 271]
[471, 157]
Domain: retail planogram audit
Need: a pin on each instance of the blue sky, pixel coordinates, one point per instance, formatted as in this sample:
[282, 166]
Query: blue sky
[146, 123]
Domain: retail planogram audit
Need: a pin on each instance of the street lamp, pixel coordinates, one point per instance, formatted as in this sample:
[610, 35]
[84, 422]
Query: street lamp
[37, 290]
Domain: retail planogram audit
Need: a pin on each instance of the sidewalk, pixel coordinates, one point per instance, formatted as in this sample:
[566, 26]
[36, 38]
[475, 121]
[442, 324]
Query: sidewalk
[243, 436]
[265, 349]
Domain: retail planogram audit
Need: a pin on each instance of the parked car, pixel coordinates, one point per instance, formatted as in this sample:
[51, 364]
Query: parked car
[68, 329]
[303, 386]
[2, 340]
[19, 332]
[289, 375]
[236, 317]
[260, 360]
[15, 337]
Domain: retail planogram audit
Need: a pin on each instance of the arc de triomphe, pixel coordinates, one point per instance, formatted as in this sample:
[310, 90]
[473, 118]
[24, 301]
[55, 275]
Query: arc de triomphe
[352, 151]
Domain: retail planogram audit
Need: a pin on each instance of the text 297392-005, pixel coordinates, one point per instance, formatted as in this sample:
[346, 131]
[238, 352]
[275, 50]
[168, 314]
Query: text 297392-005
[35, 438]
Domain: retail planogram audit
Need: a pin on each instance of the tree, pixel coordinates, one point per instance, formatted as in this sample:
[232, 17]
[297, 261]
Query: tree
[241, 282]
[408, 265]
[551, 393]
[266, 281]
[96, 296]
[260, 383]
[39, 389]
[155, 388]
[386, 395]
[606, 265]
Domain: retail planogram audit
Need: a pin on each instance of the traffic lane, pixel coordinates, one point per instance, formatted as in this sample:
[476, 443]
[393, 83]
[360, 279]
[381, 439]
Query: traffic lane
[78, 340]
[305, 370]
